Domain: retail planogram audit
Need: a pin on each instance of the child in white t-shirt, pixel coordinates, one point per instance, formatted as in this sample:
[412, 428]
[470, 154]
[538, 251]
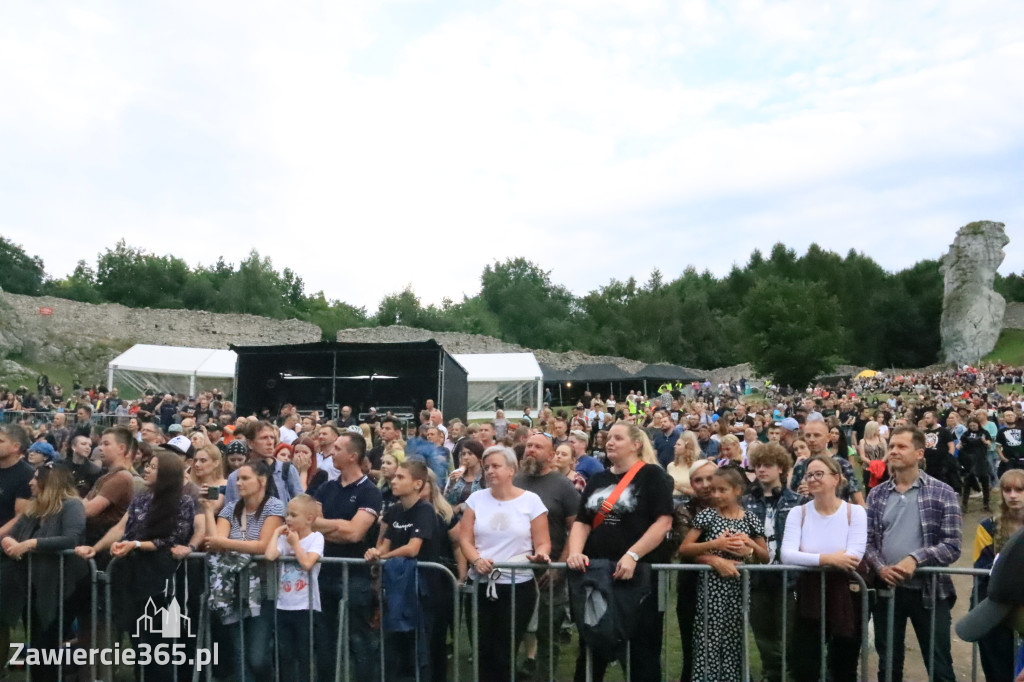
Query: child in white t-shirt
[298, 589]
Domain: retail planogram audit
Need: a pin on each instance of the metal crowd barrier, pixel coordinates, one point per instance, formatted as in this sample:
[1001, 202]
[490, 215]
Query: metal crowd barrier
[465, 609]
[99, 420]
[87, 581]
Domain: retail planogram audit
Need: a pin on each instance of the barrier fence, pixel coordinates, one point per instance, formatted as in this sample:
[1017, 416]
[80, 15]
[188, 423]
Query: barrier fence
[91, 614]
[98, 420]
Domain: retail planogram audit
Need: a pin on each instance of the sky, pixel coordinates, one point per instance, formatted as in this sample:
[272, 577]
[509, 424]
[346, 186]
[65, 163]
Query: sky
[371, 145]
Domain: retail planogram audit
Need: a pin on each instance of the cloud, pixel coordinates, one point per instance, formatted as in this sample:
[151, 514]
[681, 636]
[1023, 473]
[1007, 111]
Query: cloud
[371, 145]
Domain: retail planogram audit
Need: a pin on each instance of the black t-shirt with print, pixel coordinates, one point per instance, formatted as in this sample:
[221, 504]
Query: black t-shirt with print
[647, 497]
[1010, 440]
[418, 521]
[937, 441]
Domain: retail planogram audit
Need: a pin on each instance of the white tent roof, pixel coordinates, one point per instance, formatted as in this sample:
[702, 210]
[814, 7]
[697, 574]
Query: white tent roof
[202, 362]
[500, 366]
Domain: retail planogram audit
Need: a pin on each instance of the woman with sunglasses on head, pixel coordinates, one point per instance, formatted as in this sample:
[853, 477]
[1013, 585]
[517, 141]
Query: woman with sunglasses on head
[54, 520]
[826, 532]
[503, 523]
[621, 521]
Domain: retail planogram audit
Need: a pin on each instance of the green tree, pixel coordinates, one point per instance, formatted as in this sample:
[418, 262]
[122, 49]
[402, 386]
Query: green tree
[792, 331]
[20, 273]
[331, 316]
[257, 289]
[80, 285]
[531, 310]
[132, 277]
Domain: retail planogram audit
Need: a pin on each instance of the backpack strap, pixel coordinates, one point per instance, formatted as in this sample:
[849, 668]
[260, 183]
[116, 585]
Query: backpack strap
[610, 501]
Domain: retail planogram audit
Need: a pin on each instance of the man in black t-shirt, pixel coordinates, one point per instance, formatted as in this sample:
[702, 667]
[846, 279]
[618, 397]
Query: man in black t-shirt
[1009, 444]
[938, 452]
[83, 469]
[350, 507]
[15, 473]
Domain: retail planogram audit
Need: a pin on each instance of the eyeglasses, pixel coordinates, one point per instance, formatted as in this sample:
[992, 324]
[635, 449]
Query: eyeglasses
[818, 475]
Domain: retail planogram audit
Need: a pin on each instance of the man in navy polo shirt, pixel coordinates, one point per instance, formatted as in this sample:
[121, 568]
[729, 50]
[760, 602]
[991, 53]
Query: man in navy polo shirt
[350, 508]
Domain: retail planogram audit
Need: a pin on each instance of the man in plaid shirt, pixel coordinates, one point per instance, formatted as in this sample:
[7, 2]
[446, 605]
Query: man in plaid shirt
[913, 520]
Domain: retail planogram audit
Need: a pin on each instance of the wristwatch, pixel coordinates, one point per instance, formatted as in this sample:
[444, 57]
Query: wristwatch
[138, 544]
[633, 555]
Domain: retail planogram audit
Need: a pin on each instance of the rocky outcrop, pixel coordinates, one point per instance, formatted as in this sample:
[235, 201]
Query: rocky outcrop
[85, 337]
[1014, 316]
[972, 312]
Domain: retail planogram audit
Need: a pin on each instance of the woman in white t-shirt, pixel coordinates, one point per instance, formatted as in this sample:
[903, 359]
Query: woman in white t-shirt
[826, 532]
[503, 523]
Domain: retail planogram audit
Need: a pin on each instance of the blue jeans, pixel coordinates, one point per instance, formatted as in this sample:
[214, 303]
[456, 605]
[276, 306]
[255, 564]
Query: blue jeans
[258, 631]
[363, 636]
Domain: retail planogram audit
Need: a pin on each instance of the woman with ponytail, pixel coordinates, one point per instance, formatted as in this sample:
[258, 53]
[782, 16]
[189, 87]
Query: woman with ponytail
[244, 529]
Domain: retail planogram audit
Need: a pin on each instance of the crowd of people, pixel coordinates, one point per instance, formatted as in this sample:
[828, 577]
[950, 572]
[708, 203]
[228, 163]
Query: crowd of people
[869, 477]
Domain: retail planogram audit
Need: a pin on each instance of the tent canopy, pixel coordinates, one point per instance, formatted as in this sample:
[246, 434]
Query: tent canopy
[664, 372]
[171, 368]
[509, 380]
[500, 366]
[867, 373]
[204, 362]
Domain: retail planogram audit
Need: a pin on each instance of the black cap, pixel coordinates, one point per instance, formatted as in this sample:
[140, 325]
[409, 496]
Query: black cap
[1005, 593]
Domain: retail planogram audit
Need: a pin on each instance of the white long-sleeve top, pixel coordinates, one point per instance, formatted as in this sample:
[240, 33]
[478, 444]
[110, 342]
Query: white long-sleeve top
[805, 542]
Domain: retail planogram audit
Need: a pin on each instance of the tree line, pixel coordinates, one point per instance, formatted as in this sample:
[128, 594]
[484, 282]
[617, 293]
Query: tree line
[793, 316]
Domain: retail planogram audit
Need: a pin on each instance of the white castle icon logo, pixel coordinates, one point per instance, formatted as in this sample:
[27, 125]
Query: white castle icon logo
[166, 622]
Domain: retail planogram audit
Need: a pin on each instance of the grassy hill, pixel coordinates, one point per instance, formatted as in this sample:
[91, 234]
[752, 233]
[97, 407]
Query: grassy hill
[1009, 349]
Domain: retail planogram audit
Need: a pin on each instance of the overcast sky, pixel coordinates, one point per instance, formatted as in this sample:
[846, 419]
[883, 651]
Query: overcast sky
[370, 145]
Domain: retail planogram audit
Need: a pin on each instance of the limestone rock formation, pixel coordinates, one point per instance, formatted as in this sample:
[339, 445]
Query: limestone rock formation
[972, 312]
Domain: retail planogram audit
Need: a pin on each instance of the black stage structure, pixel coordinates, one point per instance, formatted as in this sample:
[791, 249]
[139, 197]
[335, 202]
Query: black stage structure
[396, 377]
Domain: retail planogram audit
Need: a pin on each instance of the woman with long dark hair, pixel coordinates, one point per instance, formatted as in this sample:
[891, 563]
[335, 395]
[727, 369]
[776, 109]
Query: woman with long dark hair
[241, 531]
[157, 520]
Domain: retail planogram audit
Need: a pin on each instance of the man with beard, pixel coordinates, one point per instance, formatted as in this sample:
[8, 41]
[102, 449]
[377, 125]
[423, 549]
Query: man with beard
[938, 452]
[665, 438]
[538, 475]
[708, 446]
[701, 473]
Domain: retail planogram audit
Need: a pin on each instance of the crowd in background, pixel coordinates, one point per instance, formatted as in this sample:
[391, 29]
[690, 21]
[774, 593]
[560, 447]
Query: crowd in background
[869, 475]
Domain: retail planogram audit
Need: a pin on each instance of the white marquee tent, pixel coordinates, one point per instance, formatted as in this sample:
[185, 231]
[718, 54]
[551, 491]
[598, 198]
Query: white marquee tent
[516, 378]
[173, 369]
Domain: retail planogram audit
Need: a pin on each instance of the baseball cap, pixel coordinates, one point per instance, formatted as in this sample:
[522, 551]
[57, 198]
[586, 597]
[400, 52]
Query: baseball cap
[1005, 594]
[175, 428]
[789, 424]
[180, 446]
[354, 429]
